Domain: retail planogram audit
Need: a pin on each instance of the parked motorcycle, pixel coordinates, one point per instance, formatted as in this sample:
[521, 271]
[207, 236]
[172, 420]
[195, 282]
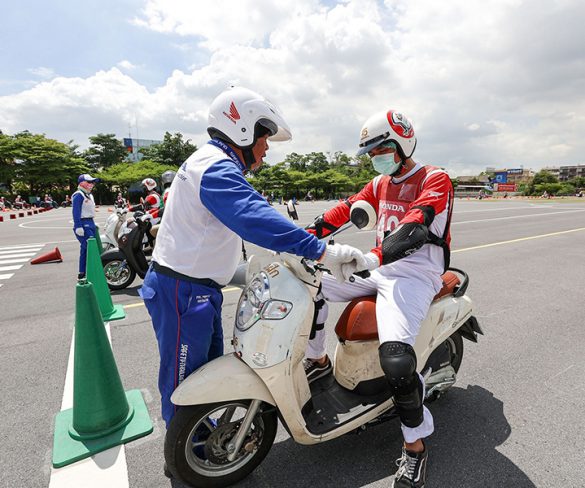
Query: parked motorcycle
[230, 406]
[131, 257]
[112, 228]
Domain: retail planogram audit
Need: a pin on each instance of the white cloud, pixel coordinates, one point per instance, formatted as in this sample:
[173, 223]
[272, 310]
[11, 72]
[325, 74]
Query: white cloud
[126, 65]
[42, 72]
[483, 82]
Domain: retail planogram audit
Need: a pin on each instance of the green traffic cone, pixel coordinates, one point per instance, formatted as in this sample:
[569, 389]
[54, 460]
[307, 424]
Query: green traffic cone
[103, 415]
[95, 275]
[99, 240]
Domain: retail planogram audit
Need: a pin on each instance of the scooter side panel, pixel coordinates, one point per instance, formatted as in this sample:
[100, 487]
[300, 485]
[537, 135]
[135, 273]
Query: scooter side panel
[223, 379]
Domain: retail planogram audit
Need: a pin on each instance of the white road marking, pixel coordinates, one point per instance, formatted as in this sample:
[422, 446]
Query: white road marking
[517, 217]
[12, 261]
[6, 276]
[29, 252]
[22, 246]
[107, 468]
[10, 268]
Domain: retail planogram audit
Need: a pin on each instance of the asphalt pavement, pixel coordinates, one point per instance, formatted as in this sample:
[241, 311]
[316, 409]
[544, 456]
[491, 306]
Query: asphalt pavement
[515, 417]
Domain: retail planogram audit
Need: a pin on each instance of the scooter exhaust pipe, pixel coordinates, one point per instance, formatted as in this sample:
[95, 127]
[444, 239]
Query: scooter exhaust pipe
[439, 381]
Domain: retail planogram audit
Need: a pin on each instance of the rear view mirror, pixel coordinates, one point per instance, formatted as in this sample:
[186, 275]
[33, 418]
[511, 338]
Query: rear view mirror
[363, 215]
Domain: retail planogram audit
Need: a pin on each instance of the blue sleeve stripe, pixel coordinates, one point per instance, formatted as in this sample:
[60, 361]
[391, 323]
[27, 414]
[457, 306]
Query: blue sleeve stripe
[76, 204]
[232, 200]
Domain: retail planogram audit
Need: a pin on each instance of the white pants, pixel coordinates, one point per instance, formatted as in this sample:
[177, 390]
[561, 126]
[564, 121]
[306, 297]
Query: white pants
[402, 303]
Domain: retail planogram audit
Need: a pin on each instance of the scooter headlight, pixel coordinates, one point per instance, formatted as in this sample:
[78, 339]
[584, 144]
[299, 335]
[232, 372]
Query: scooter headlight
[253, 298]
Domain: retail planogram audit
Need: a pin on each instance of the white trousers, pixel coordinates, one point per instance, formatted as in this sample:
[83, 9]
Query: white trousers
[402, 303]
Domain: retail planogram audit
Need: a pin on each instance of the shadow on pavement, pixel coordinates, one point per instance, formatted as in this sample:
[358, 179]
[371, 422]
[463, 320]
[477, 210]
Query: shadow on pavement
[469, 425]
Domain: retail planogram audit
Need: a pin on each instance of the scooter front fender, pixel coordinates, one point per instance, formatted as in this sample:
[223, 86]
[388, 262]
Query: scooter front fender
[223, 379]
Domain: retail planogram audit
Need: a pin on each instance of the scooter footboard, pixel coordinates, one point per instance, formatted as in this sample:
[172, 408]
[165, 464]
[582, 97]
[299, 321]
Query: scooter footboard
[223, 379]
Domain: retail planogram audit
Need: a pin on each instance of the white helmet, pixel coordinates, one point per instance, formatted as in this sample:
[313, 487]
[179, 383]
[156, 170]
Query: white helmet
[149, 183]
[388, 126]
[237, 114]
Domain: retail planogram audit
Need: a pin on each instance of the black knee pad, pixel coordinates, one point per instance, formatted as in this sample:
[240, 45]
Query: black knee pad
[398, 361]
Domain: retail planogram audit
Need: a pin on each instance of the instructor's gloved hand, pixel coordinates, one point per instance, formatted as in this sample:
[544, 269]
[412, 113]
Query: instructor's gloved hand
[336, 255]
[368, 261]
[79, 231]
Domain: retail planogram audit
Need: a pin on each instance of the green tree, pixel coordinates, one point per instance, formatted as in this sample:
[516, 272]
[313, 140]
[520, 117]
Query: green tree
[124, 174]
[104, 151]
[45, 164]
[171, 151]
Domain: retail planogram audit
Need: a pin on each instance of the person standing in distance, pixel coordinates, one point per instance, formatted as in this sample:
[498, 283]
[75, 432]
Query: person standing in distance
[83, 207]
[210, 209]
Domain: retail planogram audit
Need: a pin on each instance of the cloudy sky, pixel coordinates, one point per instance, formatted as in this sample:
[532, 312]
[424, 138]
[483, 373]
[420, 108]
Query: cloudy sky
[485, 83]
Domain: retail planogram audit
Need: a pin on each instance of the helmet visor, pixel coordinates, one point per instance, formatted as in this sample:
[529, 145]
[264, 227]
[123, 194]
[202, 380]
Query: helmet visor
[366, 147]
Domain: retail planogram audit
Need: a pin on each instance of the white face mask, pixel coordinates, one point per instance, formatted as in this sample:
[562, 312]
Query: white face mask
[385, 165]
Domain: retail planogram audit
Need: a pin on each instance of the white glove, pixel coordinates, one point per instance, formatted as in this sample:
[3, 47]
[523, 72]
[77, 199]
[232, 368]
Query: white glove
[369, 261]
[80, 232]
[336, 255]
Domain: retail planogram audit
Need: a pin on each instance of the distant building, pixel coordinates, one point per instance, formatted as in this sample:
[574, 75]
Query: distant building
[569, 172]
[133, 147]
[553, 170]
[512, 176]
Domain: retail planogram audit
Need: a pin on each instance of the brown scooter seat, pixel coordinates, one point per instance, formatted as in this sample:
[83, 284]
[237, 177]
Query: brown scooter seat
[358, 320]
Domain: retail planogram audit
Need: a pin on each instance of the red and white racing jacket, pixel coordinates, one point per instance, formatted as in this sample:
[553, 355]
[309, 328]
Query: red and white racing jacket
[424, 192]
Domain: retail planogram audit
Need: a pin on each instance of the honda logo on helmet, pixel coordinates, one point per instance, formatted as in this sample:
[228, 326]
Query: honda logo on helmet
[400, 124]
[234, 114]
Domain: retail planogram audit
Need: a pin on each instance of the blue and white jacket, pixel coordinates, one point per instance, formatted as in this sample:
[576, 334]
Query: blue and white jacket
[83, 207]
[211, 208]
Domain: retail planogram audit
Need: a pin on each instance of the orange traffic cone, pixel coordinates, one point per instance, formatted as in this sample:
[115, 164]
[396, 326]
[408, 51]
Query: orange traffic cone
[53, 255]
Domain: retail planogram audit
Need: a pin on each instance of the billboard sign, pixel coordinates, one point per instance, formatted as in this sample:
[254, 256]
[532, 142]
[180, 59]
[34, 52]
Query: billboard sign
[515, 171]
[501, 177]
[507, 187]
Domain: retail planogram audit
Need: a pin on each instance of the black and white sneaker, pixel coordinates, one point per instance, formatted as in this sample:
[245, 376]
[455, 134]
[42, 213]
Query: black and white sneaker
[314, 370]
[412, 469]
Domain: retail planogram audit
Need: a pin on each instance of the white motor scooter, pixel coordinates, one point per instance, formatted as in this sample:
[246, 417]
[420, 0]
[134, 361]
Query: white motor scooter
[112, 228]
[230, 406]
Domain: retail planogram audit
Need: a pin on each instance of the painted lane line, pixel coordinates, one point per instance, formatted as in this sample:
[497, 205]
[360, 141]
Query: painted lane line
[224, 290]
[6, 276]
[29, 252]
[10, 268]
[22, 246]
[13, 261]
[17, 255]
[501, 243]
[107, 468]
[517, 217]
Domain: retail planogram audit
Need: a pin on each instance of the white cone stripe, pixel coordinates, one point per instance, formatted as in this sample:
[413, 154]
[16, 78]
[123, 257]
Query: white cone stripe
[32, 250]
[10, 268]
[13, 261]
[6, 276]
[22, 246]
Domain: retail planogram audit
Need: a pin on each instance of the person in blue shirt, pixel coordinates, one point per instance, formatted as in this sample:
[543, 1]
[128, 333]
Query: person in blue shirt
[83, 207]
[210, 209]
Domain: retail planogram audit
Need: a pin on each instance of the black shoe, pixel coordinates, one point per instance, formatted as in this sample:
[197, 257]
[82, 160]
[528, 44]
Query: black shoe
[81, 276]
[314, 370]
[412, 469]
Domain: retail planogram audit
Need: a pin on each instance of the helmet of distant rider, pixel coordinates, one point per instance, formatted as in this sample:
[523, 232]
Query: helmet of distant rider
[390, 126]
[167, 178]
[149, 183]
[240, 116]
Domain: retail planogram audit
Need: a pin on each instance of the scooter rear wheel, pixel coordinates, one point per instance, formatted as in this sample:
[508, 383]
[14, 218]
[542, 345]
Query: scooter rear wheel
[196, 444]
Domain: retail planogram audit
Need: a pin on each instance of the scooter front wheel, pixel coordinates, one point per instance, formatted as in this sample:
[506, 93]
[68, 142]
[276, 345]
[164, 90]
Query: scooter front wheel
[199, 442]
[118, 274]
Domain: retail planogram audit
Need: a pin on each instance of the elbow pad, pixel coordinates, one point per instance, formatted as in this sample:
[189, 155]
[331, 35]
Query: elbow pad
[403, 241]
[321, 228]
